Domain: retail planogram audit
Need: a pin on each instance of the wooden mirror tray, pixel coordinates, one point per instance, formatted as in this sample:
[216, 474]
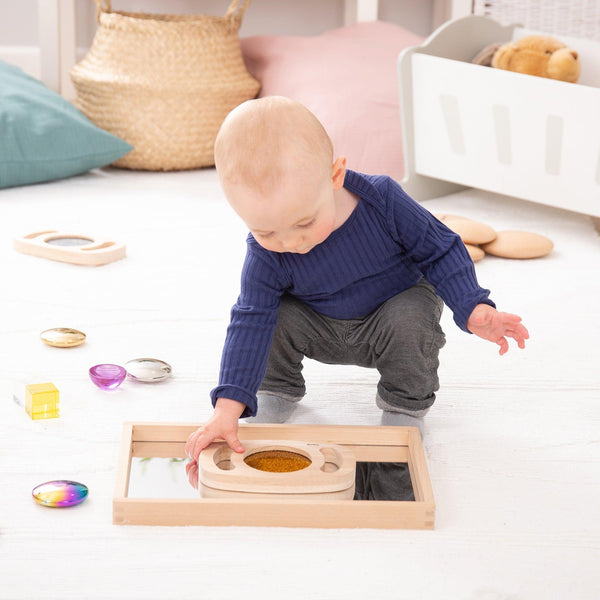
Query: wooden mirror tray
[366, 443]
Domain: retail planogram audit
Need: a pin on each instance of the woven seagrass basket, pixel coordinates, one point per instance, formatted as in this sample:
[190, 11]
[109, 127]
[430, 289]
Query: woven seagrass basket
[164, 83]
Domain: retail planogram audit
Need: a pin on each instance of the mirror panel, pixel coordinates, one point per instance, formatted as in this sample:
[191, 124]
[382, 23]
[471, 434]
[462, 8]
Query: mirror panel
[159, 477]
[69, 241]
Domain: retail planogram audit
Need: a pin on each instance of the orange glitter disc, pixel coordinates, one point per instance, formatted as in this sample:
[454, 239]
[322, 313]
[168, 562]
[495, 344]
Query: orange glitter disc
[277, 461]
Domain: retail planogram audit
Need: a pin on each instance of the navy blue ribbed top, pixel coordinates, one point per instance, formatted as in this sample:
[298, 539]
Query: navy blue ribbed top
[387, 245]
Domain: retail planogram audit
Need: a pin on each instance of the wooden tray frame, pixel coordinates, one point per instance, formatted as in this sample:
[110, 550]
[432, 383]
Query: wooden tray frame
[369, 443]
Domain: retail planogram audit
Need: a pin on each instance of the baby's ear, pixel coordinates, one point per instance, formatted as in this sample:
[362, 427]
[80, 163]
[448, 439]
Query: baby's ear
[338, 172]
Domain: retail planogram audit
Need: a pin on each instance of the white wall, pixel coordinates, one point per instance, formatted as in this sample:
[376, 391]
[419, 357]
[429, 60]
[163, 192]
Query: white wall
[19, 26]
[20, 29]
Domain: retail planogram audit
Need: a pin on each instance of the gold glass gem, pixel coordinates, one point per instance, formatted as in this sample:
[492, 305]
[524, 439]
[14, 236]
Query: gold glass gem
[62, 337]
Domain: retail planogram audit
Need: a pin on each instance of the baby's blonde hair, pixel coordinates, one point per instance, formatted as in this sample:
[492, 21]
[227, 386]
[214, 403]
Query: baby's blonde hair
[262, 141]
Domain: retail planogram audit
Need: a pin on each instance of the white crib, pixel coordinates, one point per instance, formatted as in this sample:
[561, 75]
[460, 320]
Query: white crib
[518, 135]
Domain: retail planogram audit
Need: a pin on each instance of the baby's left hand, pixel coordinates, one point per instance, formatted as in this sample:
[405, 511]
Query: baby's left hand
[489, 324]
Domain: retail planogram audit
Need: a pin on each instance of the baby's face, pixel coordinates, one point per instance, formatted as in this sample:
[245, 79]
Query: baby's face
[295, 217]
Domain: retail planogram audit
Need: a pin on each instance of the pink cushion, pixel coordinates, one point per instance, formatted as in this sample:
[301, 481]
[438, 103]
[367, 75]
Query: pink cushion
[347, 77]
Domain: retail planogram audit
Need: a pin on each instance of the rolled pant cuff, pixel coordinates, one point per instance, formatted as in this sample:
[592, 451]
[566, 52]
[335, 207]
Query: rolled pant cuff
[283, 395]
[414, 408]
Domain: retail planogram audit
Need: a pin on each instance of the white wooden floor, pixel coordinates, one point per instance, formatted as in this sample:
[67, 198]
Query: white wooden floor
[512, 442]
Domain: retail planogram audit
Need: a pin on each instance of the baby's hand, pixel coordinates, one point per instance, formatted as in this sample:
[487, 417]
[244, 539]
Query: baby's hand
[223, 424]
[489, 324]
[191, 470]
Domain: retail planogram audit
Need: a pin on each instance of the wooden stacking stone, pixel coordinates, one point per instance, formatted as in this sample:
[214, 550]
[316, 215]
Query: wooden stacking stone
[470, 231]
[519, 244]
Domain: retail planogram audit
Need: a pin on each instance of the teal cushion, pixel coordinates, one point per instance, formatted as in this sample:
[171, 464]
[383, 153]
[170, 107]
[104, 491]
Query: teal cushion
[43, 136]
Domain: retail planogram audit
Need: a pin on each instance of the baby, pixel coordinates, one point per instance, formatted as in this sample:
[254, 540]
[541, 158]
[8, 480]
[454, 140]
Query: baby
[341, 267]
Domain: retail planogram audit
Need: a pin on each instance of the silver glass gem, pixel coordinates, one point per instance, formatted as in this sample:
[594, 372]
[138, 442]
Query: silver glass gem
[148, 370]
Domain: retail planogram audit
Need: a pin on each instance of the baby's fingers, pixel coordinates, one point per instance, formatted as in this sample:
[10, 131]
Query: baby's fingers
[522, 332]
[503, 343]
[519, 334]
[233, 442]
[509, 318]
[191, 470]
[191, 441]
[197, 442]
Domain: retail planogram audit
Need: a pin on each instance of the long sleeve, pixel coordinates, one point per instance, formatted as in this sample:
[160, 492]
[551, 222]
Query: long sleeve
[250, 332]
[438, 253]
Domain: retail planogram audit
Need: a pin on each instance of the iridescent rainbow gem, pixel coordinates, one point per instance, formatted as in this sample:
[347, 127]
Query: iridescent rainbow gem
[60, 493]
[107, 376]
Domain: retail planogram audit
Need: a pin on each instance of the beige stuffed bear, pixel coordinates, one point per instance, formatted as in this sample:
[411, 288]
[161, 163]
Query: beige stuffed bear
[539, 55]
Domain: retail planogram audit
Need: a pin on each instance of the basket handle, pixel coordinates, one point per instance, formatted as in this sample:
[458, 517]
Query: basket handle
[235, 12]
[100, 7]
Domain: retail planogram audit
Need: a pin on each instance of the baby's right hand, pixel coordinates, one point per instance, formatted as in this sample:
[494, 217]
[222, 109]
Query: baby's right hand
[223, 424]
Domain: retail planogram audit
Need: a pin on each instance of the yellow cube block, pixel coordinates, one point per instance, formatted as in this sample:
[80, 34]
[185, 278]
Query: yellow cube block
[41, 400]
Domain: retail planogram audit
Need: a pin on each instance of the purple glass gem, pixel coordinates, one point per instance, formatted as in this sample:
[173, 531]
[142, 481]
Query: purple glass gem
[107, 377]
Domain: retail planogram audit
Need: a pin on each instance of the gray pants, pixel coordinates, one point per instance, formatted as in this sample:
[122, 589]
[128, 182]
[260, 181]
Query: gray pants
[401, 339]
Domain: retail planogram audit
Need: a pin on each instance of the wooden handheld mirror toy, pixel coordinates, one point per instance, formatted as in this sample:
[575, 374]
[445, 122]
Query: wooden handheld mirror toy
[71, 248]
[325, 498]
